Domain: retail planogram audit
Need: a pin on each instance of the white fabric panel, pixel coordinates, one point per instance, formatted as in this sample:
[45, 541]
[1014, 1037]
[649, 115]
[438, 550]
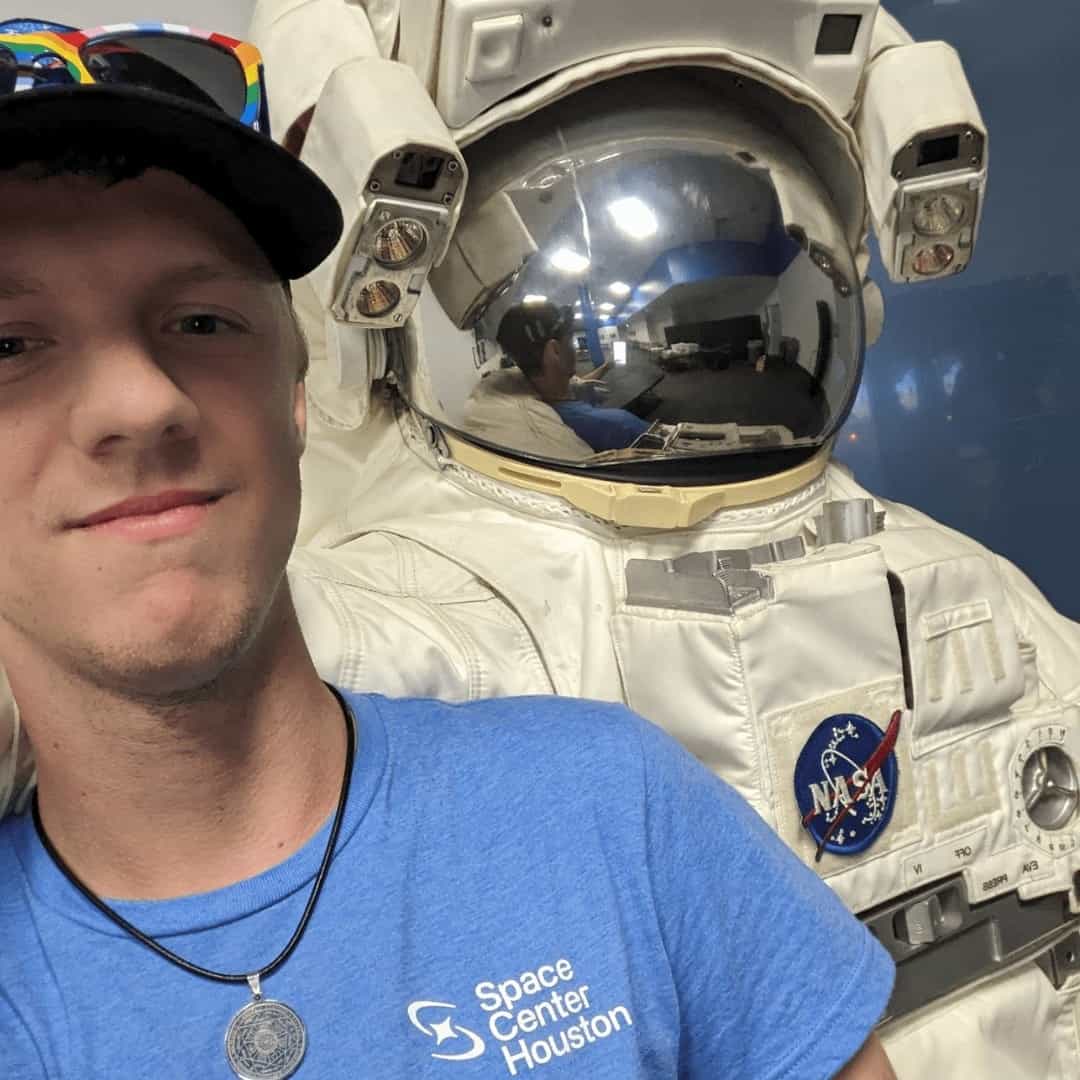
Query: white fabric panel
[1012, 1028]
[383, 15]
[351, 358]
[420, 32]
[829, 628]
[888, 33]
[1056, 638]
[704, 707]
[965, 658]
[303, 42]
[557, 34]
[369, 629]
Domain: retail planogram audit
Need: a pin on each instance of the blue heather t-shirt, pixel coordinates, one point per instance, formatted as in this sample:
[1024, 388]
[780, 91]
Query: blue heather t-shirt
[530, 887]
[602, 429]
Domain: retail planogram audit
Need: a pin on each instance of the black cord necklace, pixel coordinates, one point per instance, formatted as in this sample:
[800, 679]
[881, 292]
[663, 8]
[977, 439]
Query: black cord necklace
[266, 1040]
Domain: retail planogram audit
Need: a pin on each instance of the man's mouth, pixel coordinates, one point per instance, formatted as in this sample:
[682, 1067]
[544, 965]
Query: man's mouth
[163, 513]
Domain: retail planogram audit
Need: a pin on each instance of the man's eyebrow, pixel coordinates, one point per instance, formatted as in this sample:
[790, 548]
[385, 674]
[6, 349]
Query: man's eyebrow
[14, 288]
[207, 273]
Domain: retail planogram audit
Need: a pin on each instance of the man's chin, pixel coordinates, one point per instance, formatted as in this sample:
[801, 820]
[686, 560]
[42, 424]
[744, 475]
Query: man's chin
[164, 673]
[179, 659]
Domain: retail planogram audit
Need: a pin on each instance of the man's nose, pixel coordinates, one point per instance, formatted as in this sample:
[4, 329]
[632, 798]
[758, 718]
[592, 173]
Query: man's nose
[128, 401]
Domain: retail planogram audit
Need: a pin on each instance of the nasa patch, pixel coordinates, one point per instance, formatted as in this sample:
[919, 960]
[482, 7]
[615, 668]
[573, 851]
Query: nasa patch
[845, 782]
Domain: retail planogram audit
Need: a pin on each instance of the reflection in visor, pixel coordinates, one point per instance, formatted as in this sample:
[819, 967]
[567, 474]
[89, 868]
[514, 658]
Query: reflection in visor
[131, 62]
[705, 322]
[46, 69]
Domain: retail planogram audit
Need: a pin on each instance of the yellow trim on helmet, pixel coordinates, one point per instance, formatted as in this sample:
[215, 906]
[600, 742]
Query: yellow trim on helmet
[645, 506]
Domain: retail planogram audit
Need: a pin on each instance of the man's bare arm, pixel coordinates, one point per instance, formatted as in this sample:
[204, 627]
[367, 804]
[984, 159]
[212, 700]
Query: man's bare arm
[597, 372]
[870, 1063]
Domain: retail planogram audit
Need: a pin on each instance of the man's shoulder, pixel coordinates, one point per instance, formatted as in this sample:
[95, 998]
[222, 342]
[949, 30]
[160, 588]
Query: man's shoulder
[512, 719]
[561, 736]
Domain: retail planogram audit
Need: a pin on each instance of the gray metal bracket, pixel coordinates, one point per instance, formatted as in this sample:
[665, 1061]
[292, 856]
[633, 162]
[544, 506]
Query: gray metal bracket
[1062, 962]
[663, 583]
[843, 521]
[716, 582]
[941, 943]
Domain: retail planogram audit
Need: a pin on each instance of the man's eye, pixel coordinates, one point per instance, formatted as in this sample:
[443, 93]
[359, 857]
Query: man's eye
[204, 324]
[16, 346]
[21, 355]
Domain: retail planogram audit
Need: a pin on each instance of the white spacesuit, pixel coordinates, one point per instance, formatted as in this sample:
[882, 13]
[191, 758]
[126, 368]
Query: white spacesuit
[684, 192]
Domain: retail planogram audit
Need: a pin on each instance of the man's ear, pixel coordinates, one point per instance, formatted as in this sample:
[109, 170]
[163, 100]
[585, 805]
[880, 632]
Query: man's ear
[552, 357]
[300, 416]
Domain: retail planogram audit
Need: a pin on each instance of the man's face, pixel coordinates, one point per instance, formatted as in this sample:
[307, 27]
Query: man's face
[568, 354]
[559, 360]
[146, 353]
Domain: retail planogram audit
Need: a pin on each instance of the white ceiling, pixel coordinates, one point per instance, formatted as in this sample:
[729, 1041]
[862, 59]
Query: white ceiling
[231, 17]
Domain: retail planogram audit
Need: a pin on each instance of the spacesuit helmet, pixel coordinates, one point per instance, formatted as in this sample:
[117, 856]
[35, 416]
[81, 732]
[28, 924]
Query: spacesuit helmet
[708, 280]
[699, 196]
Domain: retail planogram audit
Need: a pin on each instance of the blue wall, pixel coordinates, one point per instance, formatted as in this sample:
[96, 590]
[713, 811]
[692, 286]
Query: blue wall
[970, 407]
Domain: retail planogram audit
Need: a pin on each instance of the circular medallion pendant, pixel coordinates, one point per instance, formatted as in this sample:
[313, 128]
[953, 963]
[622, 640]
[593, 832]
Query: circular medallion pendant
[265, 1041]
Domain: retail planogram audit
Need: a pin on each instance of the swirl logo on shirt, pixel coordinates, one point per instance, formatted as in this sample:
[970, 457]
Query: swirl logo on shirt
[445, 1031]
[534, 1017]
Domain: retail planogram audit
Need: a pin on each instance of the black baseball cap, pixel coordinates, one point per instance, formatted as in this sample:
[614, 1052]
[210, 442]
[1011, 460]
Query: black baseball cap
[289, 212]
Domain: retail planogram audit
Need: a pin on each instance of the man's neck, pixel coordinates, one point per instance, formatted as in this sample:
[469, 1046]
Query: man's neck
[146, 804]
[553, 389]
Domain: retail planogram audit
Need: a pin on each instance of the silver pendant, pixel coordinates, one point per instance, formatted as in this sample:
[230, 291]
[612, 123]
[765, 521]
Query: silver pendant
[266, 1040]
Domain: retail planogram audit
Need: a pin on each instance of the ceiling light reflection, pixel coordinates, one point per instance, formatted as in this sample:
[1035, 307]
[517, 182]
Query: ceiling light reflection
[633, 217]
[568, 261]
